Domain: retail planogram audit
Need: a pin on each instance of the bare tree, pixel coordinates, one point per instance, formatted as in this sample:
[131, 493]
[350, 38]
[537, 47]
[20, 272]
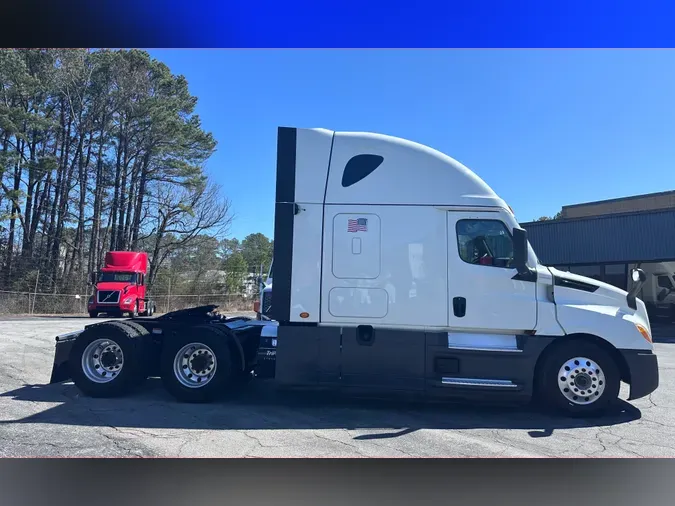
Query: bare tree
[184, 217]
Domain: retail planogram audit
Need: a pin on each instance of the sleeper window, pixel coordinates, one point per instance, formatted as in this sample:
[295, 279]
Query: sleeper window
[485, 242]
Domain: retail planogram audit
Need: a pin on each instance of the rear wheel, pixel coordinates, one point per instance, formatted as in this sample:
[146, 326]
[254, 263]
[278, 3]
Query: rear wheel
[579, 379]
[107, 360]
[93, 314]
[197, 367]
[149, 310]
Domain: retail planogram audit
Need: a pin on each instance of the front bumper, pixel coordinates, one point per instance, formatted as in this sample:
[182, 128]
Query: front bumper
[643, 371]
[106, 309]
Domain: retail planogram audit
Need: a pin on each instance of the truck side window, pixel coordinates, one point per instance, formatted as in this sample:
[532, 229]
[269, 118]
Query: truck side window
[664, 282]
[485, 242]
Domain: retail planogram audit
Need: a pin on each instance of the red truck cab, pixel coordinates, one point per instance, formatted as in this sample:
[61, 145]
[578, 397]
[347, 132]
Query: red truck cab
[120, 286]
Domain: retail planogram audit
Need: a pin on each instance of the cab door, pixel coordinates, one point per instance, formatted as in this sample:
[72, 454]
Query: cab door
[485, 292]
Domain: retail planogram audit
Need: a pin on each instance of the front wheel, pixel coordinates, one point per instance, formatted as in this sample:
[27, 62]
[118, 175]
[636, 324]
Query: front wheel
[197, 367]
[579, 379]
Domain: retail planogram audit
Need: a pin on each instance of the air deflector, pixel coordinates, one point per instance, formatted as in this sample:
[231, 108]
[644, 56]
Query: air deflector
[359, 167]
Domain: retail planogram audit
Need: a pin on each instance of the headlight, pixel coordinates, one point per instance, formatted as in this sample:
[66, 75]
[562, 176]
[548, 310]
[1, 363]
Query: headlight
[128, 301]
[645, 333]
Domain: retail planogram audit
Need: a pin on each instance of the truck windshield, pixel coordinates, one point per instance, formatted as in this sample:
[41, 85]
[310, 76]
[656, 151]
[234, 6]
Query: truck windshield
[117, 277]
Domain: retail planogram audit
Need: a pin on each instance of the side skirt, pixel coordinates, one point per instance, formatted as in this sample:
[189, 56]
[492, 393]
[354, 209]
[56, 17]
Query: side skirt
[440, 365]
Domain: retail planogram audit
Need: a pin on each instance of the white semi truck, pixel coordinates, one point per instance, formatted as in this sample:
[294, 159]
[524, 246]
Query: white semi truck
[396, 270]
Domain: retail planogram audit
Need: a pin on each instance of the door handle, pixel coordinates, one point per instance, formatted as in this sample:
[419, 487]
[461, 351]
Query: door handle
[459, 306]
[365, 335]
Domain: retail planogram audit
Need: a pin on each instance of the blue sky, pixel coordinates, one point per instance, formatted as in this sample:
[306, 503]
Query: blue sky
[543, 128]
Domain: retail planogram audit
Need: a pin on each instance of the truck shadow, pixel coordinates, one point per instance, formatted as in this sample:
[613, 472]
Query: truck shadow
[261, 407]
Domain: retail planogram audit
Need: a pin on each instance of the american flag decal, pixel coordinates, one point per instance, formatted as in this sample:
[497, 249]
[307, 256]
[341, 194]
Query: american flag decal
[359, 225]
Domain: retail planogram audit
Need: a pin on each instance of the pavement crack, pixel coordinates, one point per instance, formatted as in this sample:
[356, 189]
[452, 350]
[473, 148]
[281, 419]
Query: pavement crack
[350, 445]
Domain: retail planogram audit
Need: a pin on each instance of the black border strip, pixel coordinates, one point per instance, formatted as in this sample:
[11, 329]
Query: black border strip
[287, 139]
[284, 214]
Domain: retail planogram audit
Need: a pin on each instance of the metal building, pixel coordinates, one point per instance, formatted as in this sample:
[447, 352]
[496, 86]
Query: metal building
[605, 239]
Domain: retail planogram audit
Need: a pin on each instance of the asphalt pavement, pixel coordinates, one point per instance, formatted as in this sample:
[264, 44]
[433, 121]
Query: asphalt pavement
[37, 419]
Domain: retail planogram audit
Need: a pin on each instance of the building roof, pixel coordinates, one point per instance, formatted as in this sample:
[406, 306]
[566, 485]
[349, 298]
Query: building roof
[635, 203]
[623, 199]
[647, 236]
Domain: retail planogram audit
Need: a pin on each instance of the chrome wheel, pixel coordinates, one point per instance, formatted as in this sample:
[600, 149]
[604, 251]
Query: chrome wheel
[195, 365]
[102, 361]
[581, 381]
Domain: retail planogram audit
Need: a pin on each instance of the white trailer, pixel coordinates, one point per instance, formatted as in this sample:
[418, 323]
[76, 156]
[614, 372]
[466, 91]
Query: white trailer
[397, 269]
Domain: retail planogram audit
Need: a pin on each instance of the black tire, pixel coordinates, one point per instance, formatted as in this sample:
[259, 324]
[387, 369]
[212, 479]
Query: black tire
[146, 349]
[93, 314]
[222, 379]
[131, 344]
[148, 309]
[549, 393]
[140, 329]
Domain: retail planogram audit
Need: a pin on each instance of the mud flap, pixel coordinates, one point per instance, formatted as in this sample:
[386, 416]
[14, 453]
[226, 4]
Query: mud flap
[60, 368]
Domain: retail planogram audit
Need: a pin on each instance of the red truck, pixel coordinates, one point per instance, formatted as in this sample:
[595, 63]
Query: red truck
[120, 286]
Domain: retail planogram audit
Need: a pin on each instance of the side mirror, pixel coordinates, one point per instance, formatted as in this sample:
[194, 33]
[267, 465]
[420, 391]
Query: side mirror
[520, 250]
[93, 277]
[662, 295]
[639, 277]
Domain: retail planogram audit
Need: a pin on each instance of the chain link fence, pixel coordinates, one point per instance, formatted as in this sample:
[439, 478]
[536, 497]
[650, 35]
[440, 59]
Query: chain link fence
[225, 303]
[26, 303]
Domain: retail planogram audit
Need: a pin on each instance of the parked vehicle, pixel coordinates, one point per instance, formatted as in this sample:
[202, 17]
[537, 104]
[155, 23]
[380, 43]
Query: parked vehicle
[658, 291]
[263, 306]
[120, 286]
[396, 269]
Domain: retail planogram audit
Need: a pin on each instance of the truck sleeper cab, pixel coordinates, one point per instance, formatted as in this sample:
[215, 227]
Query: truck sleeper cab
[396, 269]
